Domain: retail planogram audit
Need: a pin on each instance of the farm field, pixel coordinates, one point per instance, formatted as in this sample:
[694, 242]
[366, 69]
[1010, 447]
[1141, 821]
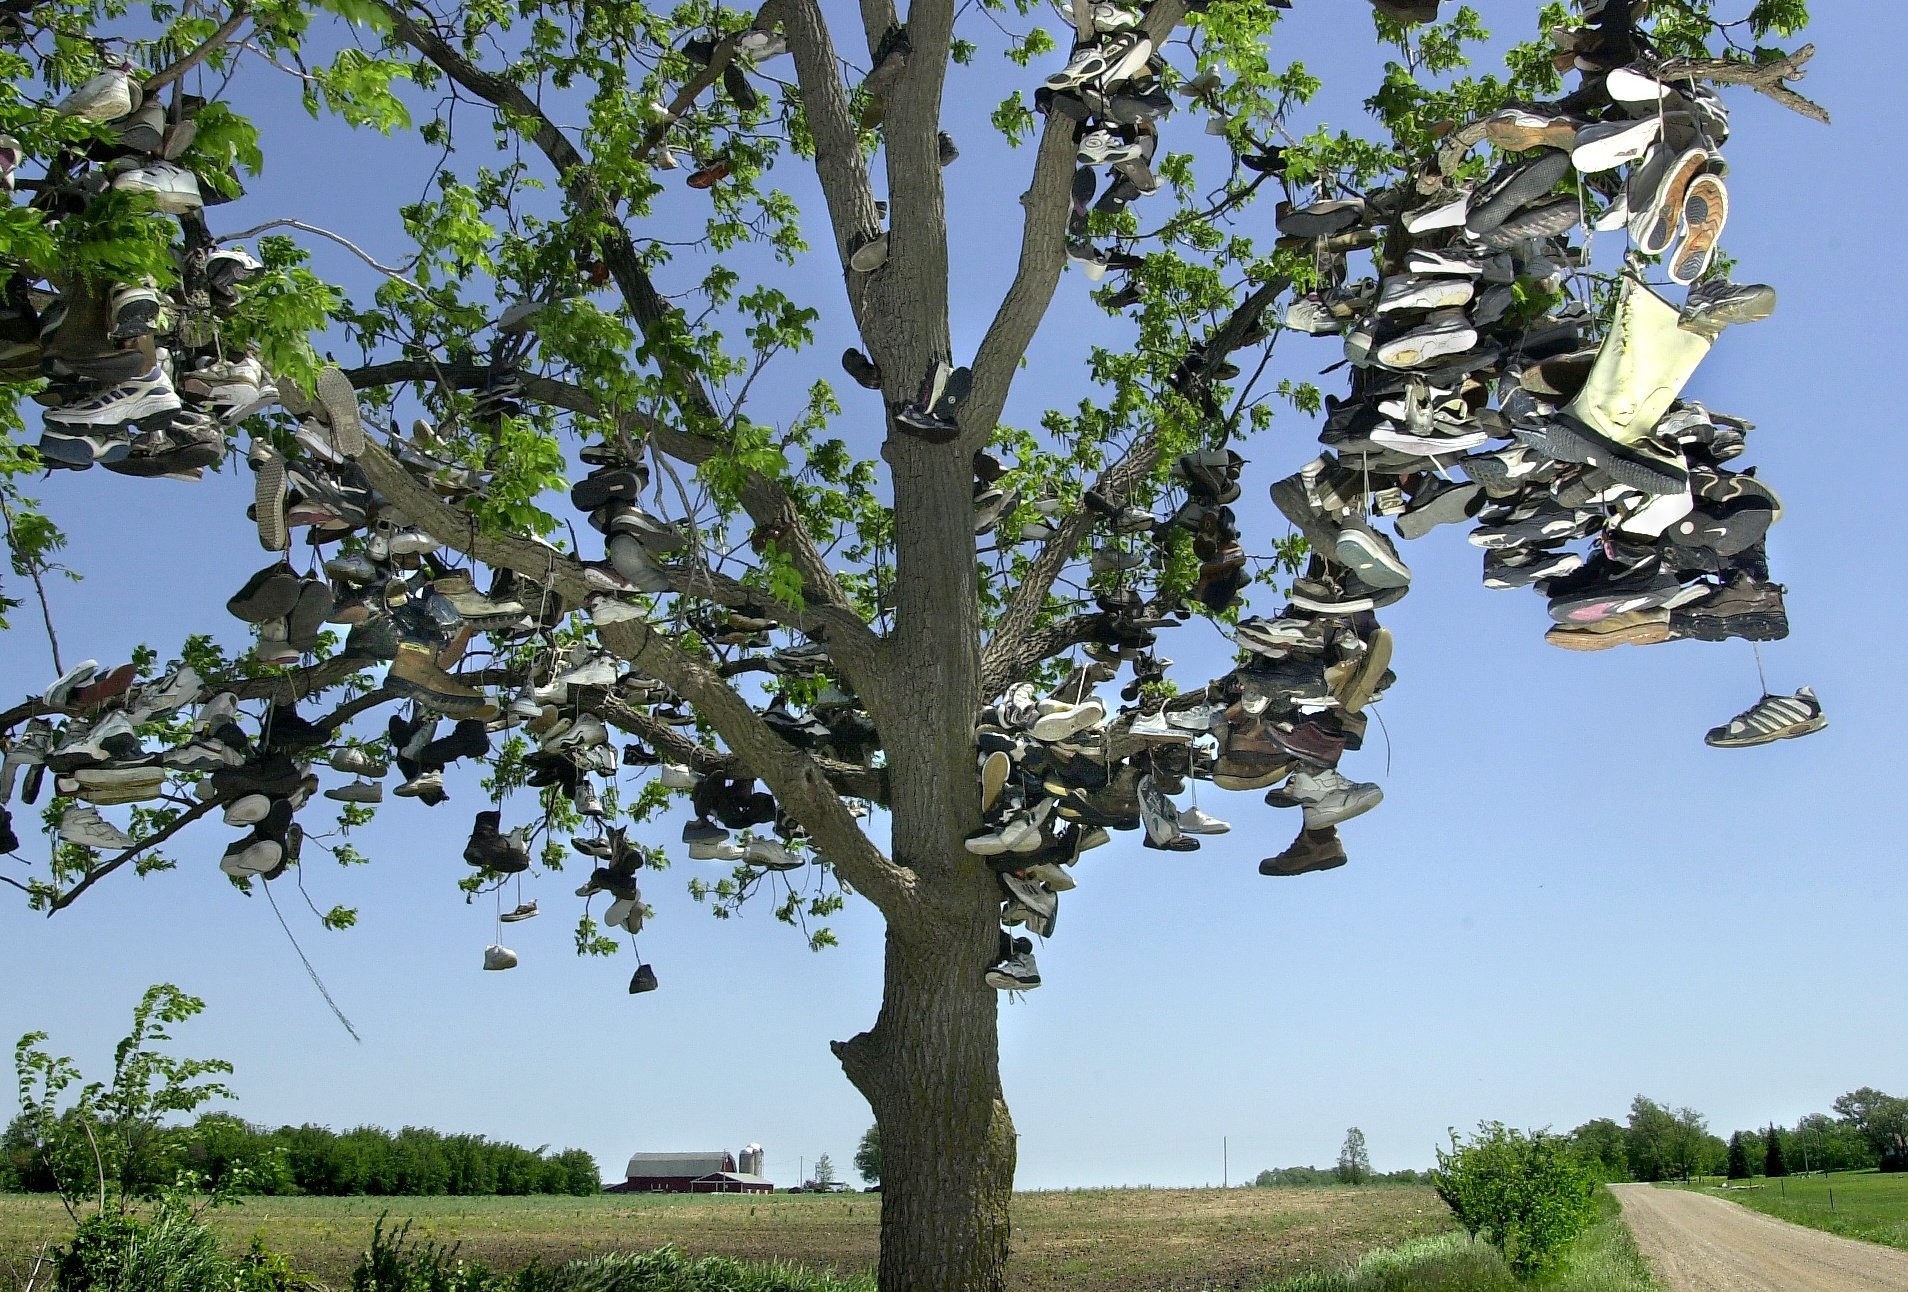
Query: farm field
[1081, 1241]
[1866, 1204]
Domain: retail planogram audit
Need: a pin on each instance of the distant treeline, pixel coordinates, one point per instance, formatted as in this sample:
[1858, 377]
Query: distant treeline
[1864, 1129]
[1292, 1176]
[223, 1150]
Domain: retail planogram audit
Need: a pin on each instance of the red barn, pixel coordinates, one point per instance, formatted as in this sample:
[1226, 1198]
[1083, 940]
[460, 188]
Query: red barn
[687, 1173]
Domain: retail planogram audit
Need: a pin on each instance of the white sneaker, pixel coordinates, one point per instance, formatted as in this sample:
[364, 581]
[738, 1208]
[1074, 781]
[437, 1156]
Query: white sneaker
[1062, 721]
[117, 405]
[719, 850]
[1607, 145]
[496, 957]
[677, 777]
[107, 97]
[769, 855]
[172, 188]
[1411, 292]
[1330, 797]
[85, 827]
[598, 670]
[168, 694]
[624, 913]
[247, 810]
[1195, 820]
[1154, 726]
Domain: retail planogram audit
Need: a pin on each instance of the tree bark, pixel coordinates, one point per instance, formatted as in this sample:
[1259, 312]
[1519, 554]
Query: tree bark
[930, 1067]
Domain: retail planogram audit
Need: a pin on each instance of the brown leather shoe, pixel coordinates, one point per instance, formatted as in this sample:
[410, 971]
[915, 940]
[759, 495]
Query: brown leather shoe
[1312, 850]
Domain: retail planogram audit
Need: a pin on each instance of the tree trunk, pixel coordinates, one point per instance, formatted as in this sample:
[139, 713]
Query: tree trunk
[930, 1067]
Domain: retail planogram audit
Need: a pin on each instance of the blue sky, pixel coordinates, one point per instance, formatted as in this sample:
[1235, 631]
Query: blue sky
[1565, 899]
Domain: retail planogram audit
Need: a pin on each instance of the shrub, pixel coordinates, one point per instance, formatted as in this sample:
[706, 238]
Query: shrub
[667, 1270]
[396, 1264]
[170, 1252]
[1527, 1194]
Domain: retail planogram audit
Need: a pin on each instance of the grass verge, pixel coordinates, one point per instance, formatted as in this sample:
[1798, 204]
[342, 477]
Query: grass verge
[1604, 1259]
[1854, 1204]
[1107, 1240]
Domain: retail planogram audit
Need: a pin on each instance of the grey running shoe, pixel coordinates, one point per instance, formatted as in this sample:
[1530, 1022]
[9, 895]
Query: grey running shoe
[1772, 718]
[1329, 797]
[1017, 972]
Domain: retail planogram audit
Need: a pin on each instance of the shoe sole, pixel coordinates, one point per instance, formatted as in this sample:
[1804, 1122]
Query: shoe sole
[1528, 184]
[1574, 443]
[1364, 680]
[1449, 508]
[1419, 348]
[1617, 147]
[268, 501]
[1331, 864]
[1771, 626]
[1635, 635]
[1517, 138]
[1654, 226]
[339, 398]
[1365, 555]
[1433, 296]
[1705, 212]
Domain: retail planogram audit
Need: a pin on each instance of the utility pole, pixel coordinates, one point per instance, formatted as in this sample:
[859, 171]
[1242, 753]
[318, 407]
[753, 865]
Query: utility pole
[1225, 1164]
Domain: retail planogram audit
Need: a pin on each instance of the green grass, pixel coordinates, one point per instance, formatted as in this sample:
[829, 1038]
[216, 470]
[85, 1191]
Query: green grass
[1108, 1240]
[1604, 1259]
[1864, 1204]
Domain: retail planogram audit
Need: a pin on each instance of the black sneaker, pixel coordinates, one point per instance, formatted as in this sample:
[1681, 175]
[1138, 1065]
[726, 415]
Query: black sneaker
[269, 594]
[606, 485]
[490, 850]
[1604, 587]
[309, 614]
[287, 732]
[644, 979]
[861, 368]
[469, 738]
[275, 776]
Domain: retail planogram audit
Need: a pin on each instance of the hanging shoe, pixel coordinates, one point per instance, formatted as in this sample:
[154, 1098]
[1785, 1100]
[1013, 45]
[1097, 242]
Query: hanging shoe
[1772, 718]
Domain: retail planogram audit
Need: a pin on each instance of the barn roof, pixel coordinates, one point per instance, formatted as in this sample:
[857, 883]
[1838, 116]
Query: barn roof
[686, 1164]
[736, 1177]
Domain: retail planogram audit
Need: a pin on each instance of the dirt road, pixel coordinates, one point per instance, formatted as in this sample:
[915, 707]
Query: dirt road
[1697, 1243]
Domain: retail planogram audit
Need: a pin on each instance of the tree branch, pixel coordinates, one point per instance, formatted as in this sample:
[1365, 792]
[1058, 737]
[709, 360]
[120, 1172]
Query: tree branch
[1115, 482]
[1001, 668]
[849, 780]
[97, 873]
[657, 319]
[1043, 255]
[838, 160]
[852, 644]
[170, 74]
[797, 780]
[1765, 78]
[287, 687]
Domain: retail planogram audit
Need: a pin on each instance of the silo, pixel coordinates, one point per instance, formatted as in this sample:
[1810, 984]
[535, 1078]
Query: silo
[750, 1162]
